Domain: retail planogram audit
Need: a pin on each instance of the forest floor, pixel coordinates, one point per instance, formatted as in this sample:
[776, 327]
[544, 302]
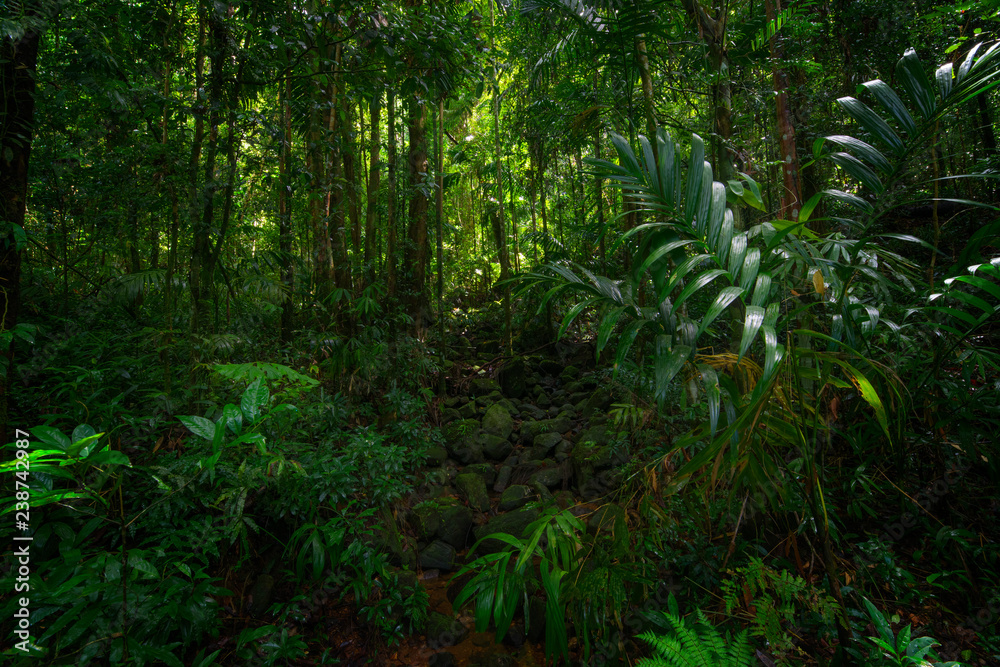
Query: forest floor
[520, 434]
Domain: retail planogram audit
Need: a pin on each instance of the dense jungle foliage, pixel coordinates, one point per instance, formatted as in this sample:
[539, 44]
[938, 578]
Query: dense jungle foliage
[584, 332]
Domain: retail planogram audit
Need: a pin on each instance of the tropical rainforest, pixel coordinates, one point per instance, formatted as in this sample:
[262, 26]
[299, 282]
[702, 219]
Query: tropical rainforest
[527, 332]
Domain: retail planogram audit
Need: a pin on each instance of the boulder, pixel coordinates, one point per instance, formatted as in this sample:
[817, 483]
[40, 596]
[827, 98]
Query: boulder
[484, 470]
[436, 455]
[473, 488]
[503, 478]
[569, 374]
[449, 415]
[588, 460]
[545, 443]
[425, 519]
[467, 451]
[444, 630]
[515, 497]
[456, 523]
[444, 518]
[483, 386]
[598, 402]
[497, 421]
[438, 555]
[549, 477]
[460, 429]
[596, 435]
[512, 377]
[529, 430]
[468, 411]
[606, 519]
[513, 523]
[495, 447]
[563, 450]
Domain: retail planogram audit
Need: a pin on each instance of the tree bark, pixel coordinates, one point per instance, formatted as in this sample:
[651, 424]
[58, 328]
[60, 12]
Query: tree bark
[791, 193]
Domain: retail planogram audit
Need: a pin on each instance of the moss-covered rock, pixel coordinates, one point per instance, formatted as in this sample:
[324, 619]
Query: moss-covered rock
[512, 377]
[497, 421]
[473, 489]
[513, 523]
[515, 497]
[530, 430]
[438, 555]
[483, 386]
[484, 470]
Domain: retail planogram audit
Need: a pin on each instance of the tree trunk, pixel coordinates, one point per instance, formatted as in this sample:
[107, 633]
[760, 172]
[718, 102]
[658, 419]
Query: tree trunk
[416, 249]
[791, 193]
[18, 62]
[642, 61]
[373, 185]
[502, 236]
[439, 214]
[390, 250]
[350, 189]
[285, 208]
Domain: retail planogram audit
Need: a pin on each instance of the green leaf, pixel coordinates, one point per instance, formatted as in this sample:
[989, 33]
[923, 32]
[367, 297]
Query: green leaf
[83, 431]
[200, 426]
[607, 327]
[702, 280]
[872, 123]
[668, 172]
[254, 400]
[859, 170]
[725, 297]
[573, 313]
[52, 437]
[809, 207]
[889, 100]
[668, 362]
[712, 393]
[863, 150]
[911, 74]
[944, 79]
[232, 417]
[752, 322]
[696, 174]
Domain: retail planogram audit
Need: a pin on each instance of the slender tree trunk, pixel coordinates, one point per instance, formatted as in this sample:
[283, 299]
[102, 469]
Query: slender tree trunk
[390, 250]
[285, 209]
[642, 61]
[195, 197]
[599, 193]
[18, 63]
[350, 189]
[439, 214]
[373, 185]
[416, 248]
[791, 194]
[502, 238]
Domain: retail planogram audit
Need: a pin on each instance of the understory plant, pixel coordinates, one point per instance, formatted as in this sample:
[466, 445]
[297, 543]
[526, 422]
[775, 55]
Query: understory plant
[819, 322]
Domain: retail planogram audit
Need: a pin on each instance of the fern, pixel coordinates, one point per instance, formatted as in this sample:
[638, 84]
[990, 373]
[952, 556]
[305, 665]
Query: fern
[777, 598]
[691, 647]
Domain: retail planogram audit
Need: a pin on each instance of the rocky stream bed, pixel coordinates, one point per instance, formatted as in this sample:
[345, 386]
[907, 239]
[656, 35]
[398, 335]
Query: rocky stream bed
[538, 433]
